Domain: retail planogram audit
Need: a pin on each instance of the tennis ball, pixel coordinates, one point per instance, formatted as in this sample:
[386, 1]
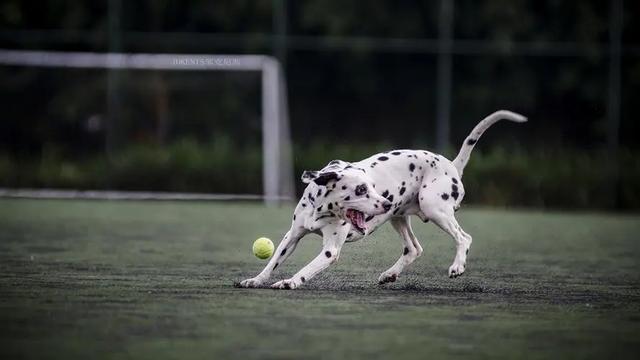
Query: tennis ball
[263, 248]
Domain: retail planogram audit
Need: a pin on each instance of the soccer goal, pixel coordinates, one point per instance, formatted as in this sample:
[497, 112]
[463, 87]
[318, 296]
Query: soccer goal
[277, 167]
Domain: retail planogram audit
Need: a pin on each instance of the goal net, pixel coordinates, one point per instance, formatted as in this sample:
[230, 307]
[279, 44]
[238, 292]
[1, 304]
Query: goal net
[232, 106]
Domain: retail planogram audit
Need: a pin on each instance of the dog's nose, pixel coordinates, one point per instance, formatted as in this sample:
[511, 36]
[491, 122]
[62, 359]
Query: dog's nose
[386, 206]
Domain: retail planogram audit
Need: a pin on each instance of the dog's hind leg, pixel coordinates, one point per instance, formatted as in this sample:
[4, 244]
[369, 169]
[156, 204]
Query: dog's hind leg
[439, 207]
[411, 249]
[284, 250]
[463, 242]
[333, 237]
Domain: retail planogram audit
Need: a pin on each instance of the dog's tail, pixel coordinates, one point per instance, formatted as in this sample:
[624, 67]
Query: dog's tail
[465, 151]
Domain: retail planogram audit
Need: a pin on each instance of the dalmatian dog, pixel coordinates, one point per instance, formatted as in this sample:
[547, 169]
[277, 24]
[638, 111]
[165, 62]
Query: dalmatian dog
[345, 202]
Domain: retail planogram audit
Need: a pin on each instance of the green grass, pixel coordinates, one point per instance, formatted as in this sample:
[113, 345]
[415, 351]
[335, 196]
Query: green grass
[99, 279]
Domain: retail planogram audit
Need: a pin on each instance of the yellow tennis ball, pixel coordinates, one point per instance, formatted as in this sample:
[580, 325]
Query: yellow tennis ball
[263, 248]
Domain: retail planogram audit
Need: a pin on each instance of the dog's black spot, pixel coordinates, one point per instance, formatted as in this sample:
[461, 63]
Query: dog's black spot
[375, 205]
[344, 187]
[349, 235]
[334, 186]
[327, 193]
[390, 198]
[304, 205]
[347, 198]
[412, 167]
[343, 223]
[319, 192]
[385, 193]
[294, 217]
[275, 266]
[455, 181]
[406, 251]
[334, 162]
[330, 206]
[312, 198]
[403, 183]
[402, 190]
[283, 252]
[437, 158]
[383, 158]
[335, 233]
[396, 153]
[369, 218]
[455, 195]
[302, 279]
[467, 252]
[454, 187]
[348, 167]
[287, 286]
[471, 141]
[327, 254]
[319, 208]
[424, 186]
[367, 196]
[445, 196]
[395, 211]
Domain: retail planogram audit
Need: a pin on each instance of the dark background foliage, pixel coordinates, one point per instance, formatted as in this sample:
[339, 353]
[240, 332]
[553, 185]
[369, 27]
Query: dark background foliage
[361, 77]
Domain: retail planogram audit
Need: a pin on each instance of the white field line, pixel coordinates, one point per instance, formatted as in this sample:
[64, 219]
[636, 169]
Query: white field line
[125, 195]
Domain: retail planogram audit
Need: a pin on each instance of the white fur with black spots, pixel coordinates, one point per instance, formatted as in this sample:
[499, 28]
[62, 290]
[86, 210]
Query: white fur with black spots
[345, 202]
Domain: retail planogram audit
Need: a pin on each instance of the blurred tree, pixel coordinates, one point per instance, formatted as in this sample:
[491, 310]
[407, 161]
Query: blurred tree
[387, 76]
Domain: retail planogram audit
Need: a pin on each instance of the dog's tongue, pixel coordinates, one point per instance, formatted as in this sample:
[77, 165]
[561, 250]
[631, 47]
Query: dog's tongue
[357, 217]
[360, 220]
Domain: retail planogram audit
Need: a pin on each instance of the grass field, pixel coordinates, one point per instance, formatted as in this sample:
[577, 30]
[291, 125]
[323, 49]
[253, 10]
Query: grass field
[98, 279]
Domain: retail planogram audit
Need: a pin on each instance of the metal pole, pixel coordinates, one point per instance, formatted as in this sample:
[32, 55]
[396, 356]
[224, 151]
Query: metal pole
[287, 184]
[613, 106]
[280, 30]
[445, 45]
[271, 160]
[113, 77]
[283, 177]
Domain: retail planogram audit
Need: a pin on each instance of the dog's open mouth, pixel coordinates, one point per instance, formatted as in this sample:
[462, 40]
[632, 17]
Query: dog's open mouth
[357, 219]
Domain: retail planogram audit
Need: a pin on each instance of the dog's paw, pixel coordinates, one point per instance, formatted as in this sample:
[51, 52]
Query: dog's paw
[288, 284]
[251, 283]
[386, 277]
[456, 270]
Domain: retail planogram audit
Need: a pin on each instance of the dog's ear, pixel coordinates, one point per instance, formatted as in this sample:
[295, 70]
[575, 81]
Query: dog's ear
[325, 177]
[308, 176]
[319, 178]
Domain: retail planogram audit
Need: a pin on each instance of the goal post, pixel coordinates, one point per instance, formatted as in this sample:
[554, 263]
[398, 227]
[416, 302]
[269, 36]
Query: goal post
[277, 166]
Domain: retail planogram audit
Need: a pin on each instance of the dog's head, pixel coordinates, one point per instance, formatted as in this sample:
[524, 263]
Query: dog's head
[344, 191]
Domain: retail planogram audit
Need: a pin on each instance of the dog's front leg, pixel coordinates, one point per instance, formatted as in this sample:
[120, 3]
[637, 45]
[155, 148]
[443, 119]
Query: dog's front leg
[333, 237]
[411, 250]
[285, 248]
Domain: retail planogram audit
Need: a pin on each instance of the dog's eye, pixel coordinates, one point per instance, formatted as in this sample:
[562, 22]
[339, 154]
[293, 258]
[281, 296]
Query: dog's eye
[361, 190]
